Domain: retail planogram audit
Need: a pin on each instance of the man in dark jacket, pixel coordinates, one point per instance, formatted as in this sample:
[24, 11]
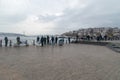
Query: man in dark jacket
[42, 41]
[6, 41]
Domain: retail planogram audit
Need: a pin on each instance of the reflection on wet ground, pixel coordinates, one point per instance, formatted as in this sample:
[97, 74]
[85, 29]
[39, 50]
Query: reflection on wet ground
[68, 62]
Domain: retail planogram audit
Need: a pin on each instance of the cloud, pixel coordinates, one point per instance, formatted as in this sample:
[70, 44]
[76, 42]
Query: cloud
[56, 17]
[11, 20]
[13, 7]
[97, 13]
[48, 18]
[12, 11]
[32, 25]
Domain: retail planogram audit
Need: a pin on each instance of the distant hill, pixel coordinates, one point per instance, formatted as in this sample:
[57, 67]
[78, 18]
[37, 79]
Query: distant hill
[110, 31]
[10, 34]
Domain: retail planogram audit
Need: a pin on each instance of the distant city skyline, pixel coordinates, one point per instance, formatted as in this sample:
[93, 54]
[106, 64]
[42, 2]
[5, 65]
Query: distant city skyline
[33, 17]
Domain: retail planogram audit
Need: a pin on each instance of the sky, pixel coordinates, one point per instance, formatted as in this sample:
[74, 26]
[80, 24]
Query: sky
[33, 17]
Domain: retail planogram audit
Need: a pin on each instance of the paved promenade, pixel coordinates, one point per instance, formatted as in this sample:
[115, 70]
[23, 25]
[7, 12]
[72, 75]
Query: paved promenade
[68, 62]
[114, 41]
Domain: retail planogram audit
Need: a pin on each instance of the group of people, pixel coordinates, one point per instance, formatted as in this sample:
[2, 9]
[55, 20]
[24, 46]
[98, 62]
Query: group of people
[43, 40]
[8, 42]
[97, 38]
[47, 40]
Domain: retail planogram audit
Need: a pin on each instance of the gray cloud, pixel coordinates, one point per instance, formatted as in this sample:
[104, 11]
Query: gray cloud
[100, 13]
[11, 19]
[47, 18]
[81, 14]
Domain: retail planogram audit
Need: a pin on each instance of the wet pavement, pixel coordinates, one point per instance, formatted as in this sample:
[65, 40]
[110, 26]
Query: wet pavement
[68, 62]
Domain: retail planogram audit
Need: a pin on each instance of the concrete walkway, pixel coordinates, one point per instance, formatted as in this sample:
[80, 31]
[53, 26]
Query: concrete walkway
[68, 62]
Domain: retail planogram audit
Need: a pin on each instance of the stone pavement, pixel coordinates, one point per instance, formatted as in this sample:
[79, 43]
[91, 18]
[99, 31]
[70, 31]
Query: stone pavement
[68, 62]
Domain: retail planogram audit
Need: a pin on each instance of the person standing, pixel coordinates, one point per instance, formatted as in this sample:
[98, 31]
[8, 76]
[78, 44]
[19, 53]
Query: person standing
[26, 43]
[6, 41]
[105, 37]
[77, 37]
[56, 40]
[69, 40]
[18, 40]
[0, 43]
[10, 44]
[42, 41]
[38, 38]
[52, 39]
[48, 39]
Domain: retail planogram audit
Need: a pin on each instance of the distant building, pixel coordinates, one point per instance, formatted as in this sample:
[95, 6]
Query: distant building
[95, 31]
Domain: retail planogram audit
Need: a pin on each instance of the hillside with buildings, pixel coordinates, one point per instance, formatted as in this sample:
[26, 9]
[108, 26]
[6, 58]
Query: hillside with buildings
[10, 34]
[94, 32]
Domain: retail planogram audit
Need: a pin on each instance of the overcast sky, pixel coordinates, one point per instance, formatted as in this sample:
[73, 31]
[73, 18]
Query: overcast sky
[57, 16]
